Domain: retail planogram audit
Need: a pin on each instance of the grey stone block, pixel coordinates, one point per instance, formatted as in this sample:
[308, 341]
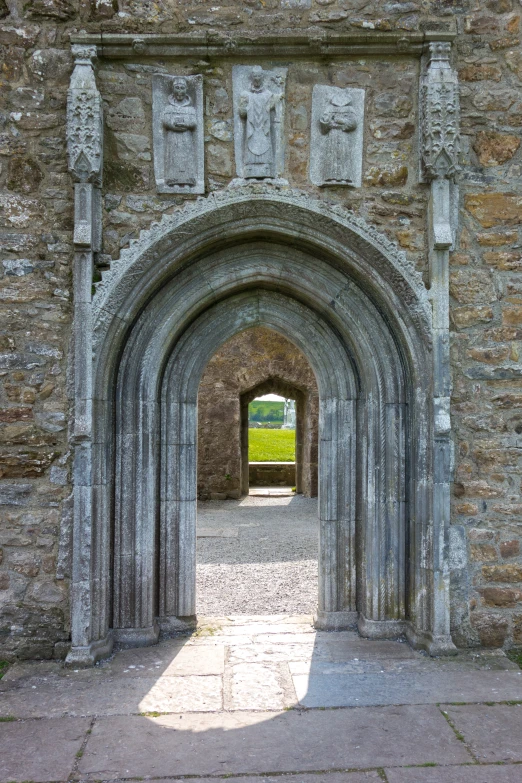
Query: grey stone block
[259, 121]
[177, 131]
[336, 146]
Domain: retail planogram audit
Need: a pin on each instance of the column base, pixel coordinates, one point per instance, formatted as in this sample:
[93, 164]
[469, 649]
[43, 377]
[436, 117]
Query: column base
[381, 629]
[83, 657]
[136, 637]
[172, 626]
[335, 621]
[434, 645]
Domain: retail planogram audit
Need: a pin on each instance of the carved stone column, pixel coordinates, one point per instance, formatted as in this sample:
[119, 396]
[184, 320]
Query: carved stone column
[439, 160]
[85, 156]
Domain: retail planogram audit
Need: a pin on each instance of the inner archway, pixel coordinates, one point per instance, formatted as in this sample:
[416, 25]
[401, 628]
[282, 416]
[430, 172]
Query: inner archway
[257, 549]
[260, 257]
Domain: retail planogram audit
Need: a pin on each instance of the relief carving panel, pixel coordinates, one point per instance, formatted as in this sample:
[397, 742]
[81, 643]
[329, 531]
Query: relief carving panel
[336, 145]
[177, 117]
[259, 121]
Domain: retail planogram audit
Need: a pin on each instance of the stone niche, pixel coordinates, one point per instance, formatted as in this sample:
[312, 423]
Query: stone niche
[257, 361]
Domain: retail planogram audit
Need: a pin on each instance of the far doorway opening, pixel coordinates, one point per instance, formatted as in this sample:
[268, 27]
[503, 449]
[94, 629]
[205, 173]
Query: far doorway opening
[272, 445]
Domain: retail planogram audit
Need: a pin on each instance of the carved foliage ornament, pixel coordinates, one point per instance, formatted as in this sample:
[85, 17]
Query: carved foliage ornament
[84, 118]
[440, 103]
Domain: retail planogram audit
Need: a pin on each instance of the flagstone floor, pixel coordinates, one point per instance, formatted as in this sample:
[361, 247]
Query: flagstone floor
[257, 699]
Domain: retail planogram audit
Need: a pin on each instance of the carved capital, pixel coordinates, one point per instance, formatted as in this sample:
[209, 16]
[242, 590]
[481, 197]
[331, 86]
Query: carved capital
[440, 115]
[84, 118]
[83, 53]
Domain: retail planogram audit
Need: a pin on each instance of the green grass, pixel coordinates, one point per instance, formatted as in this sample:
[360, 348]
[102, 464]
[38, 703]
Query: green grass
[271, 445]
[3, 668]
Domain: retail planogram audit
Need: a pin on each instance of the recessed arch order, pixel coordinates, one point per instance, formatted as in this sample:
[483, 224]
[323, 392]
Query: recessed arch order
[261, 256]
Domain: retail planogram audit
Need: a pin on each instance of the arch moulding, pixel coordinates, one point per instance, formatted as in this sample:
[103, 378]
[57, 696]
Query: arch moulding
[358, 310]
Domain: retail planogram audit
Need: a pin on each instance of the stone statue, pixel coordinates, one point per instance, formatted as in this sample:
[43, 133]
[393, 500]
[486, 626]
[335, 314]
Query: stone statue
[337, 136]
[178, 133]
[256, 108]
[258, 120]
[337, 122]
[179, 122]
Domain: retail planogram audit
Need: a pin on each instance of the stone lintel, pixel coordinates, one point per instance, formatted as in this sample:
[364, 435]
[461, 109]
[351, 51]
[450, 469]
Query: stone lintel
[313, 43]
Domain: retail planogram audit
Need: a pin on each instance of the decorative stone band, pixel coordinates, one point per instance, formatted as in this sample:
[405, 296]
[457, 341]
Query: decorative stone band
[256, 199]
[273, 45]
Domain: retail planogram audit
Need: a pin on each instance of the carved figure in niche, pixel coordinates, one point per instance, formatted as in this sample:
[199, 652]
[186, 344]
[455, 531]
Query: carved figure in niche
[179, 121]
[336, 147]
[257, 107]
[338, 121]
[177, 116]
[258, 121]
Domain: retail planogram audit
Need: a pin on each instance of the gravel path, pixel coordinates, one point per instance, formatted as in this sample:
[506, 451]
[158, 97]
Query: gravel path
[257, 556]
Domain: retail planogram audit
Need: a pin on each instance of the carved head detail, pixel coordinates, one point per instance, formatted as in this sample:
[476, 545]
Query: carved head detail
[257, 77]
[179, 88]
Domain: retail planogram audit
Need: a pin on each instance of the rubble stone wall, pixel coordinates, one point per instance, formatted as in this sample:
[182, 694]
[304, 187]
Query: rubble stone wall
[36, 221]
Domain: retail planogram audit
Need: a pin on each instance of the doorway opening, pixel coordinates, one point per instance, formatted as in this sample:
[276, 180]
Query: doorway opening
[271, 445]
[257, 519]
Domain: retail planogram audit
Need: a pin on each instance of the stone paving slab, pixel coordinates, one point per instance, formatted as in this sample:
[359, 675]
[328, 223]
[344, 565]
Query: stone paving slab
[356, 690]
[494, 733]
[114, 696]
[468, 774]
[369, 776]
[40, 750]
[241, 743]
[168, 659]
[259, 686]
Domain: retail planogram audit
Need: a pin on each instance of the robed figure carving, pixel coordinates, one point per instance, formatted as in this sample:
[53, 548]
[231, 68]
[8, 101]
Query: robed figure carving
[338, 121]
[179, 122]
[178, 134]
[256, 108]
[258, 121]
[337, 136]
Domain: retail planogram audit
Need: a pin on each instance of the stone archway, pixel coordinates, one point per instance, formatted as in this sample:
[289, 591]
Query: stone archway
[360, 314]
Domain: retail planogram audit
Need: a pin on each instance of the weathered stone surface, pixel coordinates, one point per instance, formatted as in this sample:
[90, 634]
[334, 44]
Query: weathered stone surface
[256, 744]
[492, 628]
[511, 572]
[388, 176]
[490, 731]
[41, 751]
[23, 175]
[473, 286]
[495, 209]
[493, 149]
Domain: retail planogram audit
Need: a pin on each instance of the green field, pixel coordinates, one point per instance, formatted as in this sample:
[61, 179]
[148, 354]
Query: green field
[271, 445]
[266, 410]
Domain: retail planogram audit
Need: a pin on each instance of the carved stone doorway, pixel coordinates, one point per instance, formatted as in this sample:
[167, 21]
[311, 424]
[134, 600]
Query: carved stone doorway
[361, 316]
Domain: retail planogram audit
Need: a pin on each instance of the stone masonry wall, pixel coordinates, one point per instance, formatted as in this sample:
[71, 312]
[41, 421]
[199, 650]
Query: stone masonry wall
[241, 364]
[36, 251]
